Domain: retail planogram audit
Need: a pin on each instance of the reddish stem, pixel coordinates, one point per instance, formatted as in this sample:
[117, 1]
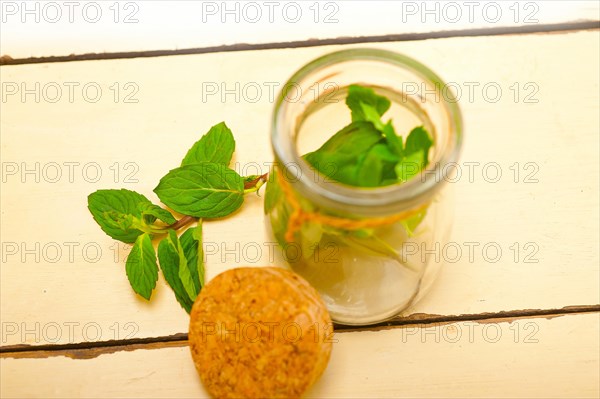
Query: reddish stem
[252, 183]
[182, 222]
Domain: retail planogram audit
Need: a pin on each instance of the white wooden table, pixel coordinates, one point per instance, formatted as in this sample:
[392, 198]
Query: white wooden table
[523, 323]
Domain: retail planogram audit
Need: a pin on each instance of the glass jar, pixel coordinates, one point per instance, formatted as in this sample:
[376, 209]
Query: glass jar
[368, 251]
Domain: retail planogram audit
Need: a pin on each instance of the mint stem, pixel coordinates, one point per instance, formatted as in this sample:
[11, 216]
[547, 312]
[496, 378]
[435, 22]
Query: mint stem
[254, 185]
[182, 222]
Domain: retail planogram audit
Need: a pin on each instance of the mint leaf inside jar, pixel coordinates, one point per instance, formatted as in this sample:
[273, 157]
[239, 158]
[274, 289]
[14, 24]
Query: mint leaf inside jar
[369, 152]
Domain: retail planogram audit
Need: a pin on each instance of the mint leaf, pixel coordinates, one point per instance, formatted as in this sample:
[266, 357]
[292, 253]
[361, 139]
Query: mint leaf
[183, 270]
[338, 157]
[419, 140]
[359, 94]
[371, 169]
[370, 114]
[197, 234]
[153, 212]
[384, 153]
[216, 146]
[394, 141]
[141, 267]
[416, 153]
[119, 212]
[413, 222]
[170, 262]
[191, 241]
[203, 190]
[410, 166]
[350, 141]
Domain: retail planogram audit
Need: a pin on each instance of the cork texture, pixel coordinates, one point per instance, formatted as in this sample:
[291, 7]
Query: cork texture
[259, 333]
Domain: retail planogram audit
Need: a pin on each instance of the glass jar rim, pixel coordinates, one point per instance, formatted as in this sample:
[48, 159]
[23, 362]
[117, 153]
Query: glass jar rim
[377, 200]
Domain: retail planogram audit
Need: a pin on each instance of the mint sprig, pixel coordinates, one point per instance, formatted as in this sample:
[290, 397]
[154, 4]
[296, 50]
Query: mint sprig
[204, 187]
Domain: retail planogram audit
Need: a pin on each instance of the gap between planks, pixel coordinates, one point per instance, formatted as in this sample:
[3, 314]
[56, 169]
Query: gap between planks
[525, 29]
[89, 350]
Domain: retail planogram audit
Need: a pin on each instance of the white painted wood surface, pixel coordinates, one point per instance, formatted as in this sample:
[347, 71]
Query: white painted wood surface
[50, 28]
[90, 300]
[534, 358]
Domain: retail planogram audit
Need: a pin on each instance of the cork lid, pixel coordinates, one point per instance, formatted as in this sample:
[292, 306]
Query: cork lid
[259, 332]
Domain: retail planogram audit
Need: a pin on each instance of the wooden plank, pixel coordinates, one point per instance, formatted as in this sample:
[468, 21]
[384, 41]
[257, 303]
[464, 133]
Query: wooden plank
[47, 298]
[530, 357]
[100, 27]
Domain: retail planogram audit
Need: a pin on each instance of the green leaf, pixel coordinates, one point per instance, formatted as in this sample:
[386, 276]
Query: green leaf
[376, 246]
[216, 146]
[119, 212]
[350, 141]
[363, 233]
[384, 153]
[413, 222]
[197, 234]
[410, 166]
[371, 115]
[203, 190]
[416, 154]
[191, 241]
[338, 157]
[372, 169]
[360, 94]
[153, 212]
[177, 256]
[141, 267]
[419, 140]
[394, 141]
[184, 272]
[168, 256]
